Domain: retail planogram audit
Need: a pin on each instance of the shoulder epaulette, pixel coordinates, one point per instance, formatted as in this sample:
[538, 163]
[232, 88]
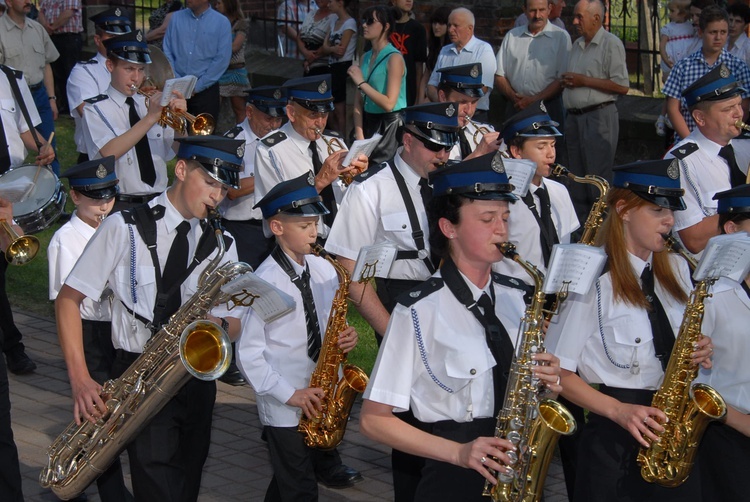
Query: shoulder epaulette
[96, 99]
[684, 150]
[274, 138]
[89, 61]
[370, 172]
[233, 132]
[510, 282]
[423, 290]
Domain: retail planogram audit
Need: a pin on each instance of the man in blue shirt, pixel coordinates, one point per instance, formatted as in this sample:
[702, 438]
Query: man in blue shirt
[199, 42]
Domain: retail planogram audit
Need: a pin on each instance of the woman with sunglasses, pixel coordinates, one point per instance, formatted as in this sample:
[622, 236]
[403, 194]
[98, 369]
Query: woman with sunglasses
[620, 334]
[436, 360]
[381, 81]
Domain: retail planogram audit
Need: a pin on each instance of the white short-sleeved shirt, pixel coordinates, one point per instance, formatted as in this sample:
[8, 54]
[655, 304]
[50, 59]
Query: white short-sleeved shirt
[523, 229]
[741, 48]
[65, 247]
[87, 79]
[434, 358]
[373, 211]
[13, 120]
[335, 36]
[680, 41]
[273, 356]
[241, 209]
[602, 338]
[726, 318]
[533, 62]
[476, 51]
[111, 249]
[107, 119]
[468, 132]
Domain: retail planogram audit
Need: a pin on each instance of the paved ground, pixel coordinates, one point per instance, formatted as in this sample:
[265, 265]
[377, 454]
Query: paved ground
[237, 467]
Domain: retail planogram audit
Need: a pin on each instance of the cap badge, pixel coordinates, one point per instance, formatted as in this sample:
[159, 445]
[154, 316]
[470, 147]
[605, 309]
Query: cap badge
[241, 150]
[542, 107]
[450, 110]
[310, 178]
[139, 36]
[673, 171]
[723, 71]
[118, 12]
[101, 172]
[474, 71]
[277, 94]
[323, 87]
[497, 163]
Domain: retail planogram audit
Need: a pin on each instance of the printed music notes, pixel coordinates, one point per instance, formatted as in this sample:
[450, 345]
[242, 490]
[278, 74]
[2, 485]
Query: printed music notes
[725, 256]
[573, 268]
[374, 261]
[520, 172]
[365, 146]
[185, 85]
[269, 302]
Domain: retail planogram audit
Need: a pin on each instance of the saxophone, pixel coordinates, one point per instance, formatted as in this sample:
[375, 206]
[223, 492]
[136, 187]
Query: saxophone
[596, 215]
[531, 423]
[327, 430]
[186, 346]
[689, 408]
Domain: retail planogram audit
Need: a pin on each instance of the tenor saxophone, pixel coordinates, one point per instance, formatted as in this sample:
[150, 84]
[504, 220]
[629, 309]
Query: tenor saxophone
[598, 210]
[186, 346]
[689, 407]
[529, 421]
[326, 431]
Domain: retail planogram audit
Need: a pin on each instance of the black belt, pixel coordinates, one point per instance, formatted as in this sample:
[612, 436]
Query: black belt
[36, 86]
[136, 199]
[587, 109]
[634, 396]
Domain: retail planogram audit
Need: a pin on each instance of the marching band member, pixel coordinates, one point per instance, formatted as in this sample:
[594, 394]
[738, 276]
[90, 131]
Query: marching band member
[436, 358]
[119, 123]
[91, 78]
[463, 85]
[724, 454]
[620, 335]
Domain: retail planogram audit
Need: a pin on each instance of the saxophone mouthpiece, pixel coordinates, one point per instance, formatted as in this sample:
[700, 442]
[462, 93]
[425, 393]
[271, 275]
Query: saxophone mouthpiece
[559, 170]
[742, 126]
[508, 249]
[318, 250]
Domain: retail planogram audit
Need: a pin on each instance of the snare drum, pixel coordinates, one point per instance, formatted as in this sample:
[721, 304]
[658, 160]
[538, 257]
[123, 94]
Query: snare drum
[44, 205]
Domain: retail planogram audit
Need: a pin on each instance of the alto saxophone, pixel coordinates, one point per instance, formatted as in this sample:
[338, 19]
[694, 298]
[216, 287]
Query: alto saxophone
[598, 210]
[533, 424]
[689, 407]
[186, 346]
[327, 430]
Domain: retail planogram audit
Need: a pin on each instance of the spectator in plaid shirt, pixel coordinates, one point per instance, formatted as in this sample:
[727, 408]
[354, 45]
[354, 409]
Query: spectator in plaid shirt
[62, 20]
[713, 28]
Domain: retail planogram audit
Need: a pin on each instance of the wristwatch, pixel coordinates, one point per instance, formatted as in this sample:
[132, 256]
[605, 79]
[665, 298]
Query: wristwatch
[225, 325]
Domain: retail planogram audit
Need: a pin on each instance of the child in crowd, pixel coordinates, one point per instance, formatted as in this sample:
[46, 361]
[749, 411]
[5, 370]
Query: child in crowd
[674, 44]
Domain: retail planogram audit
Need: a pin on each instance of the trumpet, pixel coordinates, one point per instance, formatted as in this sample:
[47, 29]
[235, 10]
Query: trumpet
[202, 124]
[335, 145]
[479, 130]
[22, 249]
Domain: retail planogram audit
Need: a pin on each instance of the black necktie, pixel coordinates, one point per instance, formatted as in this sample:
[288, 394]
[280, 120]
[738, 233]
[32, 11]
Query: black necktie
[657, 317]
[736, 177]
[499, 343]
[463, 142]
[142, 148]
[543, 215]
[4, 150]
[425, 190]
[311, 317]
[328, 198]
[174, 269]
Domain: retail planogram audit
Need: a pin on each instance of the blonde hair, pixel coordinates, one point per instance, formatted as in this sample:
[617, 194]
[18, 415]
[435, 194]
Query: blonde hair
[683, 6]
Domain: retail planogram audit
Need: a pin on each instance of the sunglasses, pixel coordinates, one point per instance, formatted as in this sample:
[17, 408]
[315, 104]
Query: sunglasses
[369, 21]
[433, 147]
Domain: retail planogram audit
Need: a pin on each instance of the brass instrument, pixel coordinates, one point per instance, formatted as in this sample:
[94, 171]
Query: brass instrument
[479, 130]
[327, 430]
[186, 346]
[675, 246]
[742, 126]
[22, 248]
[533, 424]
[689, 407]
[335, 145]
[598, 210]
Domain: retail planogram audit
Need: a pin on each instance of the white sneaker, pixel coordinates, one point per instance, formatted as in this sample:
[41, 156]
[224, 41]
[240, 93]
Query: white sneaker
[661, 129]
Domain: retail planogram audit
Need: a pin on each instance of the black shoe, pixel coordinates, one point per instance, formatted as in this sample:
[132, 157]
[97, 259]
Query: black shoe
[340, 476]
[232, 376]
[19, 363]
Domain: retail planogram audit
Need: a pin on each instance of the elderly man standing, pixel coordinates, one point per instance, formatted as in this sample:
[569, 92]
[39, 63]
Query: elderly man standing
[26, 46]
[199, 42]
[596, 75]
[555, 10]
[531, 60]
[465, 48]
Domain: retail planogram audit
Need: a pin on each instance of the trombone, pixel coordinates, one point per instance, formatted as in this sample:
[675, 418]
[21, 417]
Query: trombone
[479, 130]
[335, 145]
[22, 249]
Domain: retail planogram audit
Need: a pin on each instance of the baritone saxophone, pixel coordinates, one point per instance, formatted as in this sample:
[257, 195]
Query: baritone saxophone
[326, 431]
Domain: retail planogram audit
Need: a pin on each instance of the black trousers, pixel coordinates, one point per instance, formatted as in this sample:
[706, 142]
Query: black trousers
[167, 456]
[724, 458]
[69, 46]
[206, 101]
[10, 470]
[11, 334]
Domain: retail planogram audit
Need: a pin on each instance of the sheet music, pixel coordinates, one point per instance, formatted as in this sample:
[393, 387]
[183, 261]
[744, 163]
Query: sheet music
[185, 85]
[365, 146]
[573, 267]
[374, 261]
[520, 172]
[725, 256]
[269, 302]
